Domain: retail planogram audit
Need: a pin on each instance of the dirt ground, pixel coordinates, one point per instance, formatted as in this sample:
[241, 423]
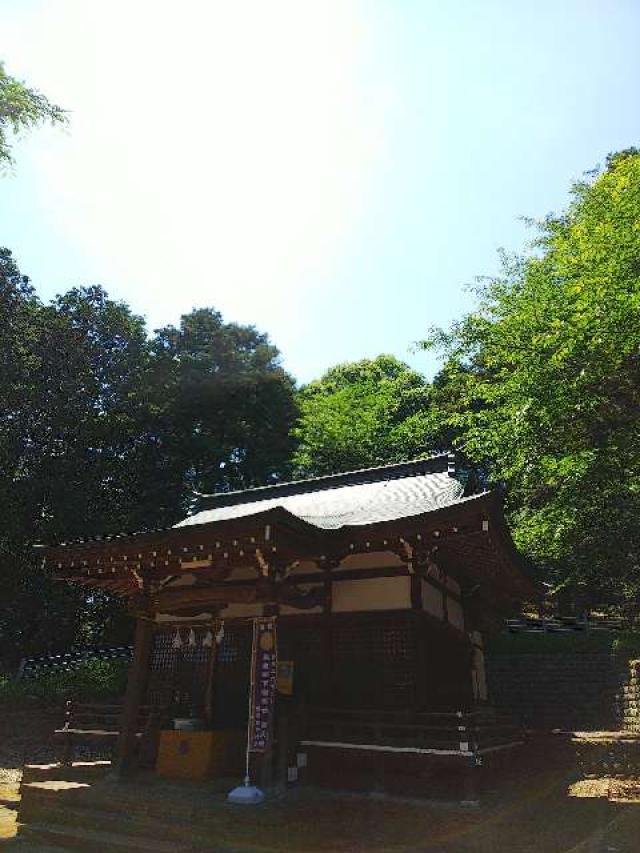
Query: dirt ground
[543, 808]
[26, 736]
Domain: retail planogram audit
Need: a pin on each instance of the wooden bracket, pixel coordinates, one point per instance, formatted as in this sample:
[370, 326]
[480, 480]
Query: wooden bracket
[408, 552]
[263, 565]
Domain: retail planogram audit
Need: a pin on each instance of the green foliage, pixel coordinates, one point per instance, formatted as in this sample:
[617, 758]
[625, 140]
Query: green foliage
[625, 644]
[71, 409]
[542, 385]
[95, 680]
[225, 403]
[104, 430]
[361, 414]
[22, 109]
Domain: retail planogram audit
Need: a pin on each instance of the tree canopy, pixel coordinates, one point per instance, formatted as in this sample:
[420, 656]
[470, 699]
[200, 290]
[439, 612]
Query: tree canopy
[542, 385]
[105, 429]
[226, 404]
[22, 108]
[361, 414]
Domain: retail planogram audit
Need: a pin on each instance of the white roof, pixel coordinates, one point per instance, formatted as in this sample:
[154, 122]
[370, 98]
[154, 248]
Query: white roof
[353, 504]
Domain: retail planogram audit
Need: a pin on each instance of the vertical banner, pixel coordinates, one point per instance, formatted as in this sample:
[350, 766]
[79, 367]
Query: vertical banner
[264, 667]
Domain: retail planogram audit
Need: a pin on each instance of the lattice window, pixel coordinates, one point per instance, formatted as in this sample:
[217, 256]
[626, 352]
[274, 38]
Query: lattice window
[160, 687]
[304, 644]
[191, 681]
[178, 677]
[374, 662]
[231, 677]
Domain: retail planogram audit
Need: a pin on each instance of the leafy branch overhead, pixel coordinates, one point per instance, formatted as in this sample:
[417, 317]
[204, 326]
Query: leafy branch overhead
[22, 109]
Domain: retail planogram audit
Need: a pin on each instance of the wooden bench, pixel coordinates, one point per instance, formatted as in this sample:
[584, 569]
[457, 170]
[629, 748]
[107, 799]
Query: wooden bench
[97, 723]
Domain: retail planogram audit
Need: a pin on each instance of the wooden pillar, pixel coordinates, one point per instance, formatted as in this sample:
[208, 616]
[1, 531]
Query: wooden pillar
[420, 663]
[282, 739]
[135, 693]
[327, 673]
[212, 665]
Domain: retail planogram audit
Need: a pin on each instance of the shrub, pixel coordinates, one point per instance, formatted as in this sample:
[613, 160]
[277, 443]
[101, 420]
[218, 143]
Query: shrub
[94, 680]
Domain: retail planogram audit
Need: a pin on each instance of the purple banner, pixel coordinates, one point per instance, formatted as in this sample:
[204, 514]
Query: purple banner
[264, 666]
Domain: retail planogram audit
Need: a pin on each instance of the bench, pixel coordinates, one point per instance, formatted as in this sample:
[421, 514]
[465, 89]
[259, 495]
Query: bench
[98, 723]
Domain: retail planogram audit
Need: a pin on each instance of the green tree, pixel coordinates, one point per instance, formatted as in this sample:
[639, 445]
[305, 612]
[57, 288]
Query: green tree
[542, 385]
[21, 109]
[71, 409]
[104, 430]
[225, 402]
[361, 414]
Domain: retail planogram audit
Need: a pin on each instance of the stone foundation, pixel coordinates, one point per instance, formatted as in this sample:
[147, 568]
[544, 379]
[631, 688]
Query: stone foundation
[581, 691]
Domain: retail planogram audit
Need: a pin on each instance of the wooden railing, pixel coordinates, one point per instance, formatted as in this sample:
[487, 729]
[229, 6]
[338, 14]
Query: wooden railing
[90, 723]
[34, 667]
[463, 732]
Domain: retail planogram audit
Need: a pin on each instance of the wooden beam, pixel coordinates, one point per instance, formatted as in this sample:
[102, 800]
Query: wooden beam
[170, 600]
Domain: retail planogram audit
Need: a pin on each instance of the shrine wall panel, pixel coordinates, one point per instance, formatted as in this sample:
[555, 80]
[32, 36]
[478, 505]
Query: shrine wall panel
[455, 613]
[288, 610]
[372, 594]
[372, 560]
[432, 600]
[453, 585]
[241, 611]
[244, 573]
[306, 567]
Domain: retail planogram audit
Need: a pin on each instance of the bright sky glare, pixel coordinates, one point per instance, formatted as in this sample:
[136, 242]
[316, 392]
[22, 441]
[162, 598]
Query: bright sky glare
[333, 171]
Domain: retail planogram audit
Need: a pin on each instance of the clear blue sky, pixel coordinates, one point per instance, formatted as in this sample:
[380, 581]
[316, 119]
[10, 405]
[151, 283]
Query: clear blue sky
[334, 172]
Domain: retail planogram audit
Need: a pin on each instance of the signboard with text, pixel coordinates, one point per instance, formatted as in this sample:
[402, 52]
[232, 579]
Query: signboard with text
[264, 665]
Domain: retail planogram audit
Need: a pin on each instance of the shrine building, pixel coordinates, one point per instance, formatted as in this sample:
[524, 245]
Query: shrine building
[383, 584]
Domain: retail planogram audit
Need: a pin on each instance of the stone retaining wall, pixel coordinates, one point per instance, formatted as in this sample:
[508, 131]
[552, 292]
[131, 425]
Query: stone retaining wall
[631, 699]
[574, 691]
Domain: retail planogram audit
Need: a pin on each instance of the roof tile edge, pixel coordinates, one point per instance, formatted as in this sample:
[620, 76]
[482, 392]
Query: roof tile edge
[440, 463]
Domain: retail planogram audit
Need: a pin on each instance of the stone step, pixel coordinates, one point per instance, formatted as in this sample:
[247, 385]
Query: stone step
[85, 815]
[175, 826]
[22, 845]
[78, 771]
[610, 754]
[162, 801]
[64, 837]
[10, 795]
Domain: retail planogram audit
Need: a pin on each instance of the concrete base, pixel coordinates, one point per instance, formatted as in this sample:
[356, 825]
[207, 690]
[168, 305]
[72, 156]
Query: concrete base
[246, 795]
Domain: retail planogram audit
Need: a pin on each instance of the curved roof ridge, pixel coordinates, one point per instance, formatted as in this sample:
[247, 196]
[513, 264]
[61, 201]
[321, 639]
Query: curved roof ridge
[437, 463]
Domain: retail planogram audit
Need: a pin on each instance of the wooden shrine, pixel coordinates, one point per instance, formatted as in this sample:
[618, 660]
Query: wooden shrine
[382, 581]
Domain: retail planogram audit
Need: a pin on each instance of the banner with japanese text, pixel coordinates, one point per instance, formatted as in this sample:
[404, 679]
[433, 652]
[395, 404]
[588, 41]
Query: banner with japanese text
[264, 666]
